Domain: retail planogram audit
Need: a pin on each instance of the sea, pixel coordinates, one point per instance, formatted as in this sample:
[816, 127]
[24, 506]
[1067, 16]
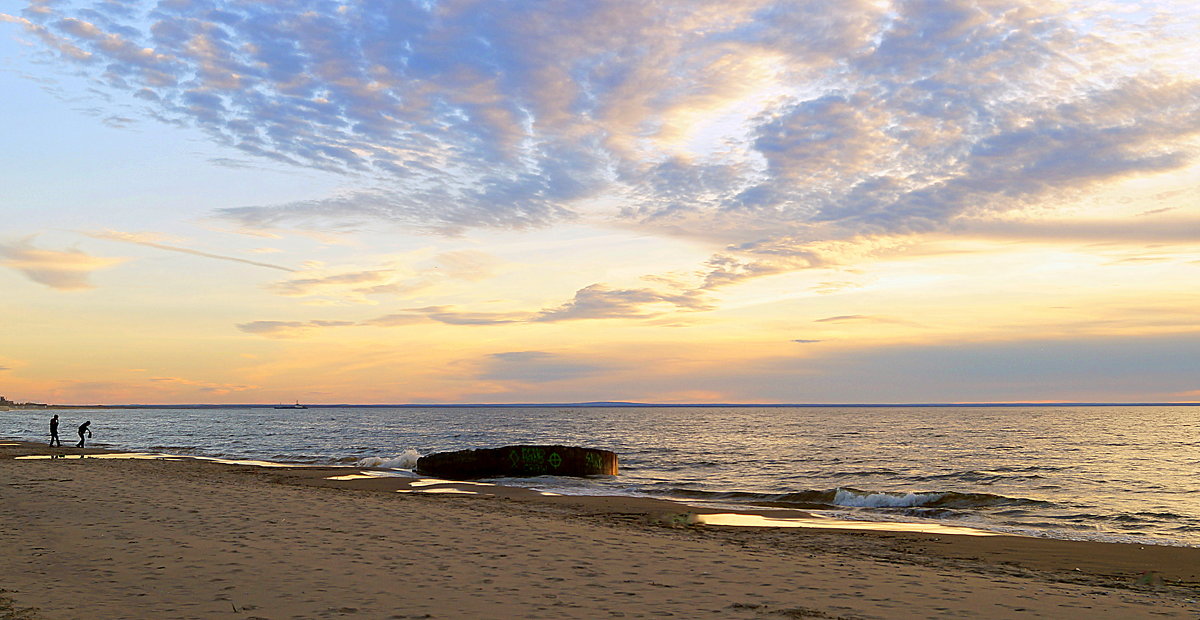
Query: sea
[1111, 473]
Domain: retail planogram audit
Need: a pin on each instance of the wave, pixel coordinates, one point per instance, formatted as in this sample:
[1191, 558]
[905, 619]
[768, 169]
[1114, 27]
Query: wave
[850, 473]
[174, 449]
[404, 460]
[980, 476]
[848, 497]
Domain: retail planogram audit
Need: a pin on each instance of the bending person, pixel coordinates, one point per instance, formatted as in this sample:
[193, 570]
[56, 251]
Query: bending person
[83, 428]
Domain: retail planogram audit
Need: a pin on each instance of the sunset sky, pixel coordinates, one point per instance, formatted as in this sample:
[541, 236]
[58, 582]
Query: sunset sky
[215, 201]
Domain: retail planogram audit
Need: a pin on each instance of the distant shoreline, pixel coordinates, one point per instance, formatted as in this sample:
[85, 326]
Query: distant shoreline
[605, 404]
[40, 407]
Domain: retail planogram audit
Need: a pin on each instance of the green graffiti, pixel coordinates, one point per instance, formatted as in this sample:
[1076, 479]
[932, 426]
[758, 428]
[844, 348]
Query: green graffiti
[534, 459]
[593, 461]
[555, 460]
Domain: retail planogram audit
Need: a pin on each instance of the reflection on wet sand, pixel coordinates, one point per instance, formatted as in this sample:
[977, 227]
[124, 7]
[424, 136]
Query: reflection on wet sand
[443, 490]
[161, 456]
[429, 481]
[369, 475]
[249, 462]
[358, 476]
[750, 520]
[409, 484]
[101, 455]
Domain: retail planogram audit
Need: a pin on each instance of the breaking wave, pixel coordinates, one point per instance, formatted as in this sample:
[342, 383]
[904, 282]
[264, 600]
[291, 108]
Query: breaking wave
[404, 460]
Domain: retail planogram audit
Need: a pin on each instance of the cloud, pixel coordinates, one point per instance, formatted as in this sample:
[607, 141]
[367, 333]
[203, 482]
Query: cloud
[229, 162]
[443, 212]
[863, 318]
[726, 269]
[801, 341]
[1159, 230]
[845, 318]
[395, 320]
[450, 316]
[288, 329]
[592, 302]
[64, 270]
[746, 122]
[152, 240]
[535, 367]
[52, 41]
[295, 329]
[1132, 368]
[768, 127]
[391, 278]
[470, 265]
[599, 302]
[1085, 369]
[203, 386]
[308, 286]
[1157, 211]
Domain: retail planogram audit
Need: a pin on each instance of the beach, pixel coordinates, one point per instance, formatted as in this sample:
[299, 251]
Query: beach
[101, 537]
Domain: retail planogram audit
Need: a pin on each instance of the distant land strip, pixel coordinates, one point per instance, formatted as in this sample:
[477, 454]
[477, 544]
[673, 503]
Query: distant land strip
[608, 404]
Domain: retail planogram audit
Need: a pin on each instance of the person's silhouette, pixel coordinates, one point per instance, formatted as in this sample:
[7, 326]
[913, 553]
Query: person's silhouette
[54, 431]
[83, 428]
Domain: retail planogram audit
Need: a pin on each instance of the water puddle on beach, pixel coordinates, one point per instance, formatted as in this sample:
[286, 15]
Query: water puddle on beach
[745, 520]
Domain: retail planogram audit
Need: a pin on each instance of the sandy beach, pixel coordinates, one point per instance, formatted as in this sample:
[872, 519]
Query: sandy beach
[103, 537]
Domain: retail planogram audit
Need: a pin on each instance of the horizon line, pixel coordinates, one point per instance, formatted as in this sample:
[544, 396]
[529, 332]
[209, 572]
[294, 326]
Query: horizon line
[633, 404]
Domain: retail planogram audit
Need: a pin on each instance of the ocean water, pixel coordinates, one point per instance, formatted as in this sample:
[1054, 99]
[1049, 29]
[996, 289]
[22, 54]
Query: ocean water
[1095, 473]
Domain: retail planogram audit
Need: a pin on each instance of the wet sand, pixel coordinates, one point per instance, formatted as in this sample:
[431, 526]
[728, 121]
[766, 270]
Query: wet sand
[119, 538]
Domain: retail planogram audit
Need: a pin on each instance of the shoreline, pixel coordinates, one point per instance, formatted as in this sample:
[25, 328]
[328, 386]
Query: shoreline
[368, 478]
[775, 516]
[700, 506]
[97, 528]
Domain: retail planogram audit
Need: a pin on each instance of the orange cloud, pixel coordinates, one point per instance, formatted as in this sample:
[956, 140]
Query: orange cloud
[203, 386]
[65, 270]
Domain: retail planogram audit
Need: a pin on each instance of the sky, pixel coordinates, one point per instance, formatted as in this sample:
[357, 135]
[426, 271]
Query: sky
[249, 201]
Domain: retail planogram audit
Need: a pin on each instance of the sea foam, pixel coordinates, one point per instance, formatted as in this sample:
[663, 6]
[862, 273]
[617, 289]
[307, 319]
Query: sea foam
[861, 499]
[404, 460]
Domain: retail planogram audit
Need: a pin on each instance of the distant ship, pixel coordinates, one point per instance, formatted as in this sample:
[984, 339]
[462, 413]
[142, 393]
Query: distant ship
[295, 406]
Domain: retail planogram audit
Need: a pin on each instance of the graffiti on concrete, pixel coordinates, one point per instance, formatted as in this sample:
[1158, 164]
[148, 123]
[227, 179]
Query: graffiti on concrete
[593, 462]
[521, 460]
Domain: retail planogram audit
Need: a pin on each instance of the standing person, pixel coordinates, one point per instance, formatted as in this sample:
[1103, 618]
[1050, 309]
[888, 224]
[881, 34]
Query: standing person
[83, 428]
[54, 431]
